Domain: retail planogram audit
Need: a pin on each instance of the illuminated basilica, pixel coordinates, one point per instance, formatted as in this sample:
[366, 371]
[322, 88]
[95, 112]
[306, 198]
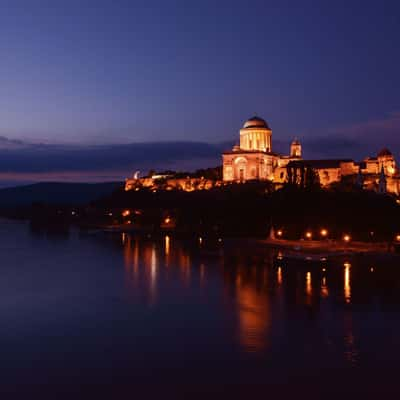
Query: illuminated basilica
[254, 159]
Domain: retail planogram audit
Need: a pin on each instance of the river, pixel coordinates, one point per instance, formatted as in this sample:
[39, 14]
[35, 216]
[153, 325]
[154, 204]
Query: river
[96, 314]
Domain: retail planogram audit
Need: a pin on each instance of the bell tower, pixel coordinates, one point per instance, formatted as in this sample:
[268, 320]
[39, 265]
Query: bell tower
[295, 149]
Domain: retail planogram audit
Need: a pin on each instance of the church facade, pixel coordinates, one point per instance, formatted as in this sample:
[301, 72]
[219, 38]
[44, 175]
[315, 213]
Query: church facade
[254, 159]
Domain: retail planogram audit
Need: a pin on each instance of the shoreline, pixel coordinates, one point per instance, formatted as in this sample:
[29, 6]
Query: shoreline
[331, 247]
[301, 249]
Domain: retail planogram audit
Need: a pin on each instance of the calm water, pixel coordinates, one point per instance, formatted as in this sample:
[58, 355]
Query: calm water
[114, 315]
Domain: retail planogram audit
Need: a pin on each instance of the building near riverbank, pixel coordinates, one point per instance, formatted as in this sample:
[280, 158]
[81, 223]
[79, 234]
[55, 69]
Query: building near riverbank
[170, 182]
[254, 159]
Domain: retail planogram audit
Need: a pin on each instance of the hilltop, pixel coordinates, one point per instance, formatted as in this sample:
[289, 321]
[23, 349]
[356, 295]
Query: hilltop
[56, 193]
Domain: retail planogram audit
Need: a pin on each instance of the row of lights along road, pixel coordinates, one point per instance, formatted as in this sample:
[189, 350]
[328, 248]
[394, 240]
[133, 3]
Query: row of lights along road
[324, 234]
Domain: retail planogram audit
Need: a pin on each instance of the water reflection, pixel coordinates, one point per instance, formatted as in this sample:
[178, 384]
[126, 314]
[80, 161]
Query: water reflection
[351, 351]
[308, 286]
[154, 309]
[324, 288]
[347, 285]
[279, 276]
[253, 317]
[259, 294]
[167, 245]
[153, 275]
[202, 273]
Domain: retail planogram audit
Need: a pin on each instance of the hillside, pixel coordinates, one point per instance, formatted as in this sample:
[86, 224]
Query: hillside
[56, 193]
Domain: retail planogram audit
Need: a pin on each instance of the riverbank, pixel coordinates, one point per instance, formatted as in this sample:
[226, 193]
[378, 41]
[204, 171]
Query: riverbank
[282, 249]
[321, 251]
[331, 246]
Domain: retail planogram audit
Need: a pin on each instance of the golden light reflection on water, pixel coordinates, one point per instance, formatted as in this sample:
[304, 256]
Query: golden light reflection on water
[133, 253]
[185, 266]
[308, 288]
[202, 274]
[167, 245]
[167, 249]
[347, 282]
[279, 276]
[153, 275]
[247, 285]
[136, 259]
[254, 317]
[147, 262]
[324, 288]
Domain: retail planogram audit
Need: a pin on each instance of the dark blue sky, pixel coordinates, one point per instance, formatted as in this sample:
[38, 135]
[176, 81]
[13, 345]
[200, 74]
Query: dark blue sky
[108, 72]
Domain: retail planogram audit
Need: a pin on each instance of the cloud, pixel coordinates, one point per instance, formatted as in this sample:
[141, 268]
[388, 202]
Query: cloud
[356, 141]
[52, 158]
[387, 126]
[6, 143]
[25, 162]
[372, 135]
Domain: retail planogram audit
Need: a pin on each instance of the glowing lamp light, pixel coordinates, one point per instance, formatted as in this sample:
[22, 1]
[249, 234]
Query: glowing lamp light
[308, 235]
[167, 220]
[397, 238]
[279, 233]
[125, 213]
[324, 233]
[346, 238]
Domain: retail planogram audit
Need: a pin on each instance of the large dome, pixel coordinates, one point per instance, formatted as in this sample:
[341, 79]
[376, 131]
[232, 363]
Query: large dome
[255, 122]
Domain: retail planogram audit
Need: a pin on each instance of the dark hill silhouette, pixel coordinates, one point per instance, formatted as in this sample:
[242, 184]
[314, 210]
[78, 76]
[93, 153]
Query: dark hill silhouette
[56, 193]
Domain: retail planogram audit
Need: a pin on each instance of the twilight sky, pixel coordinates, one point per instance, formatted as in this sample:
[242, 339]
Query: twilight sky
[80, 78]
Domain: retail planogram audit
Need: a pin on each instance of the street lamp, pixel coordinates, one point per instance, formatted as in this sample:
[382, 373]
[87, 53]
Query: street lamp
[347, 238]
[324, 233]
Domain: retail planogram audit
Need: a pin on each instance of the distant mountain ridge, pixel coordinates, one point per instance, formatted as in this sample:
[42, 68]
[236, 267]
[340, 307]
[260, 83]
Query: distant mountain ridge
[56, 193]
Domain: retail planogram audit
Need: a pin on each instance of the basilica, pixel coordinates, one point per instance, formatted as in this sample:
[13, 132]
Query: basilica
[254, 159]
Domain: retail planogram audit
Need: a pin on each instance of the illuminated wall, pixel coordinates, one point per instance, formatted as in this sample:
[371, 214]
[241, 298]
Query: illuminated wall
[186, 184]
[243, 166]
[256, 139]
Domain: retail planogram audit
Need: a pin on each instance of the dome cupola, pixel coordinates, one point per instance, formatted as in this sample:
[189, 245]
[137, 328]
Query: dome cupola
[256, 135]
[255, 122]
